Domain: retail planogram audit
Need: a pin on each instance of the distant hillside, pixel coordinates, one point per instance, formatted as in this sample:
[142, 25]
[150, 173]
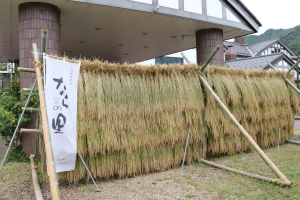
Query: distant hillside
[290, 36]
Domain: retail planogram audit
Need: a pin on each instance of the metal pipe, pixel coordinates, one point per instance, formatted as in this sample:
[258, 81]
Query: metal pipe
[278, 181]
[17, 127]
[186, 146]
[48, 146]
[36, 185]
[210, 58]
[243, 131]
[279, 139]
[293, 141]
[243, 157]
[97, 189]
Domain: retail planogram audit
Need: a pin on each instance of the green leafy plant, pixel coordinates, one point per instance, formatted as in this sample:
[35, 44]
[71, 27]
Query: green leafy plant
[10, 111]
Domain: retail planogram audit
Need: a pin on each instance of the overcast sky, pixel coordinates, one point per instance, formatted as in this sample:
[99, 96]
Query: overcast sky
[274, 14]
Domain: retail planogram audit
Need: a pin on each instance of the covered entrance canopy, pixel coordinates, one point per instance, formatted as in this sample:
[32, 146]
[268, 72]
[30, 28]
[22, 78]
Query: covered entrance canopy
[128, 30]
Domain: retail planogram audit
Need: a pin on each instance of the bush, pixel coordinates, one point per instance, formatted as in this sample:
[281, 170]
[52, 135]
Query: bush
[10, 111]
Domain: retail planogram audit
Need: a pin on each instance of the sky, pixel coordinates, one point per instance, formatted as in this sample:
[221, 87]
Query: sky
[274, 14]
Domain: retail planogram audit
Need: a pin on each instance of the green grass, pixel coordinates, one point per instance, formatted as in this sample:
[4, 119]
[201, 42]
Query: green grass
[230, 185]
[297, 131]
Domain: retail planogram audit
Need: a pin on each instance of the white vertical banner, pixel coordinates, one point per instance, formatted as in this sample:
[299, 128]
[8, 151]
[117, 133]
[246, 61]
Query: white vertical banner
[61, 103]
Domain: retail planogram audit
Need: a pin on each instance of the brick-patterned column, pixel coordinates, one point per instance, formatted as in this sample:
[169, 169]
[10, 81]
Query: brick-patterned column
[206, 42]
[33, 17]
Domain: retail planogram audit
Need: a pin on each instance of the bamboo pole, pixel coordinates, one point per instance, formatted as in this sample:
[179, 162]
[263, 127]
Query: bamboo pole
[48, 146]
[293, 141]
[28, 90]
[186, 59]
[36, 185]
[44, 39]
[22, 69]
[278, 181]
[210, 58]
[287, 80]
[31, 109]
[260, 152]
[283, 179]
[295, 65]
[25, 130]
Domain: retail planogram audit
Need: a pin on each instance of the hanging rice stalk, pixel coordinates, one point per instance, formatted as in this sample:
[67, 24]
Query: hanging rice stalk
[133, 119]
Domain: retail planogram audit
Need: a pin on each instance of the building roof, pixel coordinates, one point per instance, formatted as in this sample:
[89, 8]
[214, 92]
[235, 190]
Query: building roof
[241, 49]
[123, 30]
[258, 47]
[255, 63]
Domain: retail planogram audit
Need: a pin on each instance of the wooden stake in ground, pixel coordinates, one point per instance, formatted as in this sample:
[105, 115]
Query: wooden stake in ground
[48, 146]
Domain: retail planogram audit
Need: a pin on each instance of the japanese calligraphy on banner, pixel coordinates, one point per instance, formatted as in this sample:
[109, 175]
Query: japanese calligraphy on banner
[61, 103]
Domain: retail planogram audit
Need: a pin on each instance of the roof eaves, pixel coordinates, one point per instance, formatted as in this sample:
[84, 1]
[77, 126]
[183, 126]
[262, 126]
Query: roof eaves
[243, 12]
[275, 40]
[287, 47]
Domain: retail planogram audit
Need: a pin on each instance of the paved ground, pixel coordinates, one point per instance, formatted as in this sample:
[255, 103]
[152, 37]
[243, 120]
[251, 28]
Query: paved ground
[297, 123]
[2, 147]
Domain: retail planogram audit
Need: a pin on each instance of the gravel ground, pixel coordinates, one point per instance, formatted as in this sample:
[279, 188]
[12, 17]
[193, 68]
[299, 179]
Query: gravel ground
[16, 183]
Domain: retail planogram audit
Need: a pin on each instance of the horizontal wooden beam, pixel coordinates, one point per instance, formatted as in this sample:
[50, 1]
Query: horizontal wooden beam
[22, 69]
[25, 130]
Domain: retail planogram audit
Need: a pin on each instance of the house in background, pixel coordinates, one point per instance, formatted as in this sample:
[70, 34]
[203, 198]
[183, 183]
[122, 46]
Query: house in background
[168, 60]
[258, 56]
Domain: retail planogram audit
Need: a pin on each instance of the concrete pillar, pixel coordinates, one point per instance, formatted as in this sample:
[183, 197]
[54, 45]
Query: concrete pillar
[206, 42]
[33, 17]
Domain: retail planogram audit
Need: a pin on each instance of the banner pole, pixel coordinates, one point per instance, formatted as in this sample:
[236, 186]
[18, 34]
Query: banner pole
[48, 146]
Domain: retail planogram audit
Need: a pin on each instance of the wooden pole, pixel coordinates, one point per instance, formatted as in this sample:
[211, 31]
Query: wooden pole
[36, 185]
[260, 152]
[48, 146]
[278, 181]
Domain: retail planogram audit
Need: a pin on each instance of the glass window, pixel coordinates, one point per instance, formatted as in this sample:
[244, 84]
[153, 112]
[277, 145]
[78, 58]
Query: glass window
[214, 8]
[144, 1]
[231, 16]
[169, 3]
[193, 6]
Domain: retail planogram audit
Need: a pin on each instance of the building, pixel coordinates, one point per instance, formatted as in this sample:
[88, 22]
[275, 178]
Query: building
[258, 56]
[119, 30]
[168, 60]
